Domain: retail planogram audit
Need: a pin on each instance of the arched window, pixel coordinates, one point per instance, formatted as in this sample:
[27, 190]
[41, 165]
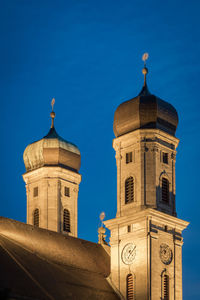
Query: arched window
[66, 220]
[36, 219]
[129, 287]
[165, 190]
[129, 190]
[165, 287]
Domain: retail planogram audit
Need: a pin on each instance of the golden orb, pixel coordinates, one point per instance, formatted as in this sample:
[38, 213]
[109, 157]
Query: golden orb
[52, 114]
[144, 71]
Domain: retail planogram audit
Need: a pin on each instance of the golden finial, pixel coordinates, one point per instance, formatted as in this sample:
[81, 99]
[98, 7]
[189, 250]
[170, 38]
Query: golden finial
[145, 56]
[52, 114]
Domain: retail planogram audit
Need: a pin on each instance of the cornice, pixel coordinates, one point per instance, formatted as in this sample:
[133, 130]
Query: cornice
[51, 172]
[141, 134]
[150, 214]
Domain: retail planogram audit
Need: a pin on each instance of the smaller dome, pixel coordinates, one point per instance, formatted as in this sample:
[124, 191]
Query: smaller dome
[52, 150]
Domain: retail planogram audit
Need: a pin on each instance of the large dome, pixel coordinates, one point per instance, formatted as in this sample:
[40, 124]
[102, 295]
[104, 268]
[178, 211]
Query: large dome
[145, 111]
[52, 150]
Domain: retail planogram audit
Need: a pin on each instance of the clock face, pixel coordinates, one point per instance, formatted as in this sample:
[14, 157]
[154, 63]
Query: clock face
[128, 253]
[165, 254]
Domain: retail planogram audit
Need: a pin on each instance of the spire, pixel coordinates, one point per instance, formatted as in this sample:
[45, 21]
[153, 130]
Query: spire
[52, 134]
[145, 90]
[52, 114]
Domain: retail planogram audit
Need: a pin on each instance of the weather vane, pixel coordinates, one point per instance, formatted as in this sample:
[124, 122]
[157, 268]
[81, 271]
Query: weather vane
[52, 103]
[145, 56]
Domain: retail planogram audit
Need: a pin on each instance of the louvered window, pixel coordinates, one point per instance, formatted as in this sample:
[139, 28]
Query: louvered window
[129, 190]
[165, 287]
[36, 219]
[66, 220]
[130, 289]
[165, 190]
[67, 192]
[129, 157]
[35, 191]
[165, 158]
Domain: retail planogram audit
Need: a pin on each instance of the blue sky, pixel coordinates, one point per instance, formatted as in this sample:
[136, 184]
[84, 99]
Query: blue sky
[87, 54]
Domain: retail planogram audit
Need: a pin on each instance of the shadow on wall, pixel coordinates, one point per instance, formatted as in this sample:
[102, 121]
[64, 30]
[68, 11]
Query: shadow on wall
[166, 199]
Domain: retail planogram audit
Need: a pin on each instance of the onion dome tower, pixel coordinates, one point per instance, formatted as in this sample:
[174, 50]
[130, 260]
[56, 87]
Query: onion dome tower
[52, 182]
[145, 147]
[146, 236]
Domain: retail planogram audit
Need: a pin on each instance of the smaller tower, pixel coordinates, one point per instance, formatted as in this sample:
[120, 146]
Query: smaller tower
[52, 182]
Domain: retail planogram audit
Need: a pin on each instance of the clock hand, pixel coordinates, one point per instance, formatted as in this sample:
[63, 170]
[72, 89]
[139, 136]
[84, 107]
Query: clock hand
[131, 252]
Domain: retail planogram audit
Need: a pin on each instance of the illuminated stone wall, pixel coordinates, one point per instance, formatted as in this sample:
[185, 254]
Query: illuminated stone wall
[156, 243]
[51, 199]
[146, 236]
[147, 169]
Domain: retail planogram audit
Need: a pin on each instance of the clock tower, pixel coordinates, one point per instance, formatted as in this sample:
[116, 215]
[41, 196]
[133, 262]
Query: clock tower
[146, 235]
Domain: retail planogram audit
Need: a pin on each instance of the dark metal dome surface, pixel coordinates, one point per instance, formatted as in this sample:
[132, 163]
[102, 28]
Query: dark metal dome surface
[145, 111]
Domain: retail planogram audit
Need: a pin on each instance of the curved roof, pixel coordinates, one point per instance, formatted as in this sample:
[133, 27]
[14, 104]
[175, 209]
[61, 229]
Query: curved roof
[41, 264]
[145, 111]
[52, 139]
[51, 150]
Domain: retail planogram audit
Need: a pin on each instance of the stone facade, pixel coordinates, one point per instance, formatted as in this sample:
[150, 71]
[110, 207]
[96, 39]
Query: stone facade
[51, 198]
[147, 169]
[146, 236]
[149, 230]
